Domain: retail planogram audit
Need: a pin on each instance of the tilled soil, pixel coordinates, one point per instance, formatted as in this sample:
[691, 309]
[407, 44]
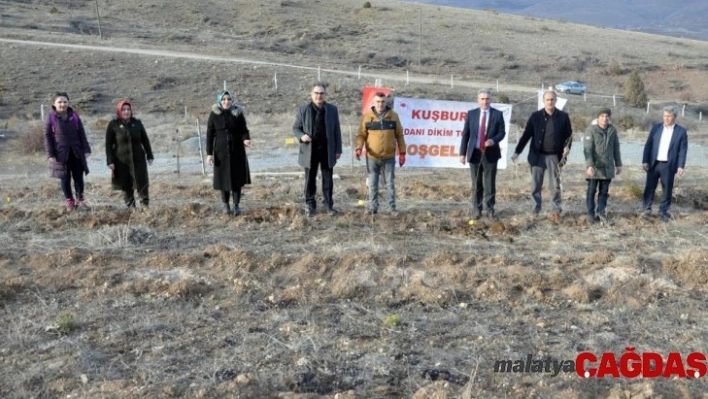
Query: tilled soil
[183, 301]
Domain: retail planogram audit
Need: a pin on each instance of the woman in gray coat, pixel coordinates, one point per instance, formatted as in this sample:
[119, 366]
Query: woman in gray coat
[227, 137]
[602, 162]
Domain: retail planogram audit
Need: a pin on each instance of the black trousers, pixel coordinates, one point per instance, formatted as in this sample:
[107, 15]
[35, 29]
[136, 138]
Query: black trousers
[484, 184]
[75, 170]
[659, 173]
[236, 194]
[318, 159]
[143, 194]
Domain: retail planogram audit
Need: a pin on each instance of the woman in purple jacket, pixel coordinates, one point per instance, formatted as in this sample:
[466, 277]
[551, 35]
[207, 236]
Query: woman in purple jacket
[67, 149]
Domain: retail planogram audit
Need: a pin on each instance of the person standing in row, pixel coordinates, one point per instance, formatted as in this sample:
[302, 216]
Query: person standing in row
[664, 157]
[67, 149]
[483, 131]
[551, 134]
[317, 129]
[602, 161]
[227, 137]
[128, 154]
[381, 132]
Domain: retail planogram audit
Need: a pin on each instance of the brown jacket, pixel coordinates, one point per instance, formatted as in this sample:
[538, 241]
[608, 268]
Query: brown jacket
[381, 135]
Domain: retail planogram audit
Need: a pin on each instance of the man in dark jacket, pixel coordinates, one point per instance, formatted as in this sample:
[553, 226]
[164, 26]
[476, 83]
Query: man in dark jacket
[484, 130]
[664, 157]
[320, 136]
[551, 135]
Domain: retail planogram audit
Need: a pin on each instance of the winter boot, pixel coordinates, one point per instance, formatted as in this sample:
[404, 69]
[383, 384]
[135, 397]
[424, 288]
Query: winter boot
[81, 202]
[227, 209]
[70, 204]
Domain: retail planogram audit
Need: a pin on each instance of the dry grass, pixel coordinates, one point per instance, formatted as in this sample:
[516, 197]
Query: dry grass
[273, 302]
[31, 141]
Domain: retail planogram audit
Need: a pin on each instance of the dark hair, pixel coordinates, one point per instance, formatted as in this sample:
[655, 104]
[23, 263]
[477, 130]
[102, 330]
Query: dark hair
[323, 85]
[380, 94]
[59, 94]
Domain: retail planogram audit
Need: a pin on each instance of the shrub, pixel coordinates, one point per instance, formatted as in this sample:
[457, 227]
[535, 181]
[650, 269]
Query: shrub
[502, 98]
[367, 4]
[678, 85]
[635, 190]
[32, 140]
[625, 122]
[65, 323]
[634, 93]
[579, 123]
[392, 320]
[101, 124]
[615, 69]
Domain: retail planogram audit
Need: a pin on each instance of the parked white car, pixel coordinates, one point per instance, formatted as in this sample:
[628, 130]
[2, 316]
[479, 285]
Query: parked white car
[571, 87]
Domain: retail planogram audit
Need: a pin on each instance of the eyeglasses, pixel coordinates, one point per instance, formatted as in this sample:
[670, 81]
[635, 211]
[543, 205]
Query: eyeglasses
[318, 93]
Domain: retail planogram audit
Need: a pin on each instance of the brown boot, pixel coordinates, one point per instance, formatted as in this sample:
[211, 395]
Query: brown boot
[556, 217]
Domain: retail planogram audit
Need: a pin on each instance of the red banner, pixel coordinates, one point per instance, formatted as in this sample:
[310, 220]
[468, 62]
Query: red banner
[368, 94]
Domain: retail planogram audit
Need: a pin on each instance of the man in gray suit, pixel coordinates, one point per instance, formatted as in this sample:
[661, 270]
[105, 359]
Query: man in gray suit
[664, 157]
[317, 129]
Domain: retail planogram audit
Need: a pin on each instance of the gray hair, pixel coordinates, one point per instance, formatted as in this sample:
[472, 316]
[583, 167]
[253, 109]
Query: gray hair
[484, 91]
[550, 91]
[672, 108]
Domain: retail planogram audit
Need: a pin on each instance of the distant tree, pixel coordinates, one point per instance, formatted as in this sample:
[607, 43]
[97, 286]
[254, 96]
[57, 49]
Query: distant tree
[367, 4]
[502, 98]
[634, 93]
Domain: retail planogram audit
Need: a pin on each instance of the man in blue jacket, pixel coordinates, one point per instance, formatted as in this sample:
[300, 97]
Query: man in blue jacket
[664, 157]
[551, 135]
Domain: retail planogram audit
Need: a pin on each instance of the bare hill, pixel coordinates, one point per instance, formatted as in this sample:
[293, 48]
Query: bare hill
[655, 16]
[389, 38]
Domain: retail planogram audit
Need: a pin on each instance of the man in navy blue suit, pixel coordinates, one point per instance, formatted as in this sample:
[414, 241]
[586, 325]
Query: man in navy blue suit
[664, 157]
[484, 130]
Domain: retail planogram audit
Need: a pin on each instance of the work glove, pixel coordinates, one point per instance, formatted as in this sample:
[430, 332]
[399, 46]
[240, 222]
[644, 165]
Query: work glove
[401, 159]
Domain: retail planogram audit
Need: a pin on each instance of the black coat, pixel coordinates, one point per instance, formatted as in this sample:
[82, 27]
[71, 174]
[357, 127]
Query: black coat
[304, 125]
[535, 132]
[226, 132]
[128, 149]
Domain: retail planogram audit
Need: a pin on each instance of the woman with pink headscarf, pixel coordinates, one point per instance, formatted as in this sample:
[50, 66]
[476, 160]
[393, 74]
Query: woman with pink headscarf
[128, 153]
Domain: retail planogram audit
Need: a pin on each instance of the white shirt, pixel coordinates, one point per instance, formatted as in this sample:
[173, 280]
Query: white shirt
[482, 112]
[666, 134]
